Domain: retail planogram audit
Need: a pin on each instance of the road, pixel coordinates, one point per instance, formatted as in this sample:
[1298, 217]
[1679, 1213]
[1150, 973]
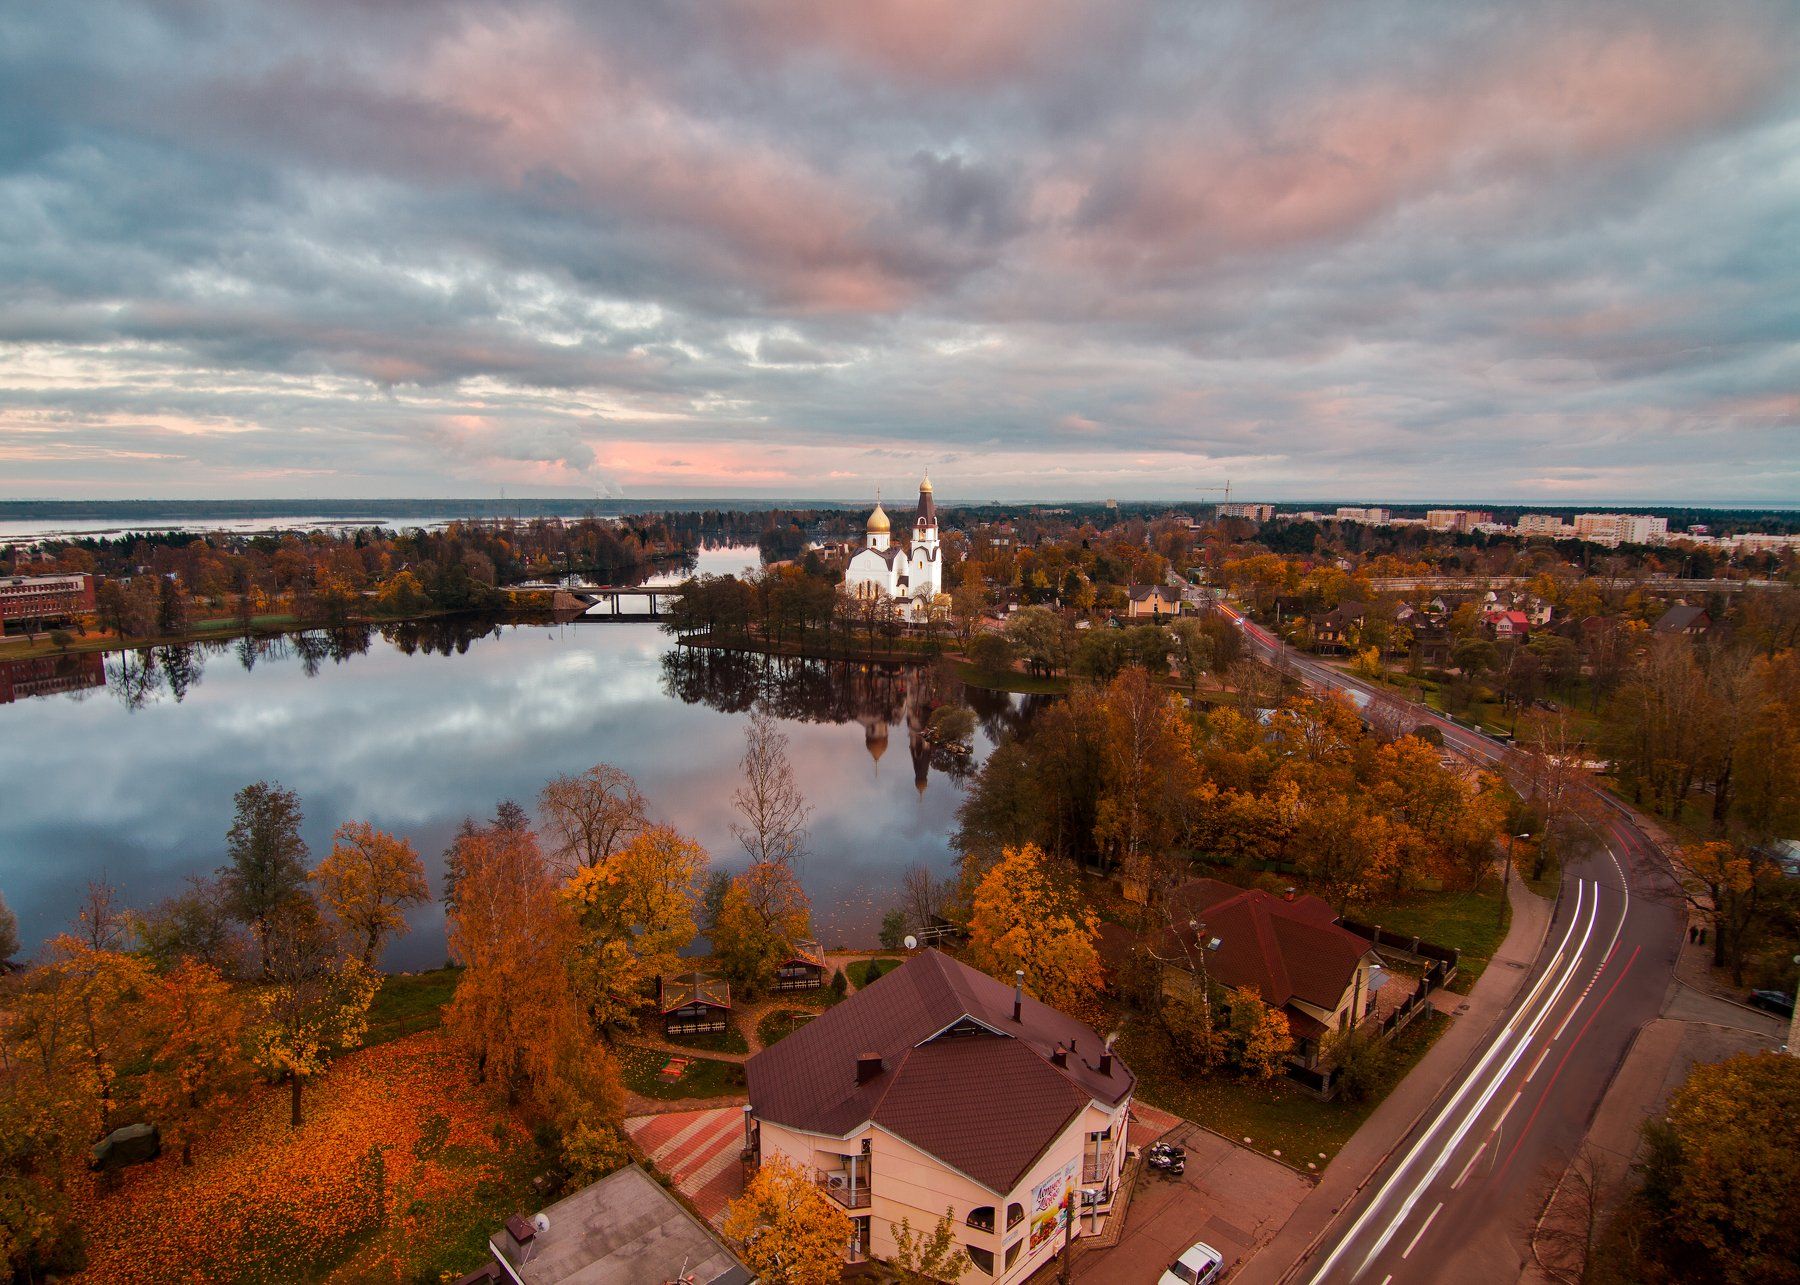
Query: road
[1454, 1199]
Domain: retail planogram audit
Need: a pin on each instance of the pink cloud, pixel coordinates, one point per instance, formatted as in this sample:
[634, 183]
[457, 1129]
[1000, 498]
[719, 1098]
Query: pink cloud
[952, 43]
[551, 102]
[1336, 163]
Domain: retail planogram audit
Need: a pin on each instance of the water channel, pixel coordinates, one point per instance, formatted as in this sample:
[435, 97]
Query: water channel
[125, 769]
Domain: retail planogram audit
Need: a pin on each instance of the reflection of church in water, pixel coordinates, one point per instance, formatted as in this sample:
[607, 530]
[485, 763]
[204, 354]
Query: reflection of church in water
[912, 707]
[887, 701]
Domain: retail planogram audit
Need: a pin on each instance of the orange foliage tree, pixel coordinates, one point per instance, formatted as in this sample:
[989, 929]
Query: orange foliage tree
[763, 914]
[516, 1010]
[1024, 919]
[368, 882]
[194, 1026]
[636, 913]
[314, 1003]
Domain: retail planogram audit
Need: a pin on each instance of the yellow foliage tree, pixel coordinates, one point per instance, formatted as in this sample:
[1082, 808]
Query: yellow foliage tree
[1024, 919]
[787, 1230]
[636, 913]
[1260, 1036]
[764, 912]
[368, 882]
[315, 1003]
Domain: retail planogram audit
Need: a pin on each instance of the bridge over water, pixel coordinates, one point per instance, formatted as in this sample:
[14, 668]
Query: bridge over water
[649, 597]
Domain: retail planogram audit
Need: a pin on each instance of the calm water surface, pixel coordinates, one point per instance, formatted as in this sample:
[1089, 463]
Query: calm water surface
[415, 728]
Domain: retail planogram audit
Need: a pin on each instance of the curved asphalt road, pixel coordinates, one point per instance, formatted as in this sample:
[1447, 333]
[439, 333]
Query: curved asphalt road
[1455, 1199]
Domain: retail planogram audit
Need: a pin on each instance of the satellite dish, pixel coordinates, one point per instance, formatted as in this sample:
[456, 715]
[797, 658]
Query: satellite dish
[541, 1222]
[912, 942]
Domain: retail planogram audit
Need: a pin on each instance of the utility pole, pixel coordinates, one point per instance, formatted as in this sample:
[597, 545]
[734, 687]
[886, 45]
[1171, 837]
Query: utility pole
[1068, 1234]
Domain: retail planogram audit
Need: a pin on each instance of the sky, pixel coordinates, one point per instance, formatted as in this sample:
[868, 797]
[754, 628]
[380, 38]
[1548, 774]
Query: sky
[1366, 249]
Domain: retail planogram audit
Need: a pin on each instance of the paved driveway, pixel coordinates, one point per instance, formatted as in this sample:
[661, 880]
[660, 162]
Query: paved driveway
[1230, 1197]
[698, 1150]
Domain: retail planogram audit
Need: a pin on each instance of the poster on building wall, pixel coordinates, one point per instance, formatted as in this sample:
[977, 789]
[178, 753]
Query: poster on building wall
[1048, 1210]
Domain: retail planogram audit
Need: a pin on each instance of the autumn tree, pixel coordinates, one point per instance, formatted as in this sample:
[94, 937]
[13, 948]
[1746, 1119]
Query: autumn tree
[1721, 1170]
[9, 931]
[195, 1027]
[1260, 1038]
[315, 1000]
[193, 924]
[1148, 776]
[590, 816]
[368, 882]
[1024, 918]
[268, 859]
[636, 914]
[1547, 761]
[516, 1011]
[1728, 883]
[773, 809]
[764, 912]
[786, 1230]
[923, 1256]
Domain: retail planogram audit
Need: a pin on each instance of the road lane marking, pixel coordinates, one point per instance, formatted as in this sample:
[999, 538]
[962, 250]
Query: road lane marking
[1413, 1243]
[1501, 1122]
[1573, 1045]
[1487, 1095]
[1493, 1050]
[1535, 1065]
[1461, 1177]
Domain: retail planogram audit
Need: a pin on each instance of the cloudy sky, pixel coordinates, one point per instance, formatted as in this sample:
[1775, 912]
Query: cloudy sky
[1387, 250]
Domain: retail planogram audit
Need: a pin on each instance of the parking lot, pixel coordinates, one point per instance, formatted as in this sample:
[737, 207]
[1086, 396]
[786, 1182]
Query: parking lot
[1231, 1197]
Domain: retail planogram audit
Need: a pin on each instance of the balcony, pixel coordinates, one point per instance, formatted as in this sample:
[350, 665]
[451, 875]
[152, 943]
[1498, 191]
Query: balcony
[1097, 1165]
[851, 1193]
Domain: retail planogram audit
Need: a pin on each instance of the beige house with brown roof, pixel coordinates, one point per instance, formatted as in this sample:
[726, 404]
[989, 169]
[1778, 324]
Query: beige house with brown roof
[1291, 950]
[938, 1088]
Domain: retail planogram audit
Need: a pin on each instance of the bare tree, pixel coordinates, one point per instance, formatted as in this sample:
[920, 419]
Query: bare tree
[922, 896]
[104, 923]
[1574, 1214]
[1546, 764]
[774, 810]
[591, 816]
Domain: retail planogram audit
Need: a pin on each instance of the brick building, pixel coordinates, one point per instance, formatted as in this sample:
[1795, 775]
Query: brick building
[33, 600]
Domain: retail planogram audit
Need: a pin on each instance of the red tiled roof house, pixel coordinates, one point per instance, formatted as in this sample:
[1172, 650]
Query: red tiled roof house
[937, 1087]
[1290, 949]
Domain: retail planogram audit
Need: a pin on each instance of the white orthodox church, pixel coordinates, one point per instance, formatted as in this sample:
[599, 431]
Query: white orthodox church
[911, 576]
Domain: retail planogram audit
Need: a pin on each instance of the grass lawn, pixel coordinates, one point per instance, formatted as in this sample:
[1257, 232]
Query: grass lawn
[704, 1078]
[409, 1002]
[780, 1022]
[1473, 922]
[1275, 1115]
[1012, 681]
[864, 971]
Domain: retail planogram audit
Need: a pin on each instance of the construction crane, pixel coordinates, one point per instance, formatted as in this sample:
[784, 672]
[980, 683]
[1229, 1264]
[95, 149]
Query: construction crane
[1226, 488]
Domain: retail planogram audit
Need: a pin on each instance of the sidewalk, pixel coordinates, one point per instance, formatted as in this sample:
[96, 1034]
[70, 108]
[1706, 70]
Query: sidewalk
[1475, 1013]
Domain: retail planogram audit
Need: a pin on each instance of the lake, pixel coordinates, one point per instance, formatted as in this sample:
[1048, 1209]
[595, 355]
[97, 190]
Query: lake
[126, 769]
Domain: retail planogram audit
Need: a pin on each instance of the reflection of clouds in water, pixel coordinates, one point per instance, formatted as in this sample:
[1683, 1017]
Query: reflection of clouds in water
[412, 743]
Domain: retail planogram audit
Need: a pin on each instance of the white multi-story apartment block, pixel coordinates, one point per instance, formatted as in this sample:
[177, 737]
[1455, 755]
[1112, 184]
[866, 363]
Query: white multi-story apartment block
[1544, 524]
[1255, 512]
[1377, 517]
[1621, 528]
[1456, 519]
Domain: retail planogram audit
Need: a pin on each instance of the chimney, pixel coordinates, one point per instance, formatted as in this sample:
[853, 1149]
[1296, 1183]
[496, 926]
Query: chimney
[1106, 1062]
[1018, 994]
[1288, 893]
[519, 1227]
[868, 1066]
[1059, 1056]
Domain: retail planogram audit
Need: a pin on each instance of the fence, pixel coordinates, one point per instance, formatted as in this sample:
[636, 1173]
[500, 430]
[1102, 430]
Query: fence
[1322, 1083]
[1413, 946]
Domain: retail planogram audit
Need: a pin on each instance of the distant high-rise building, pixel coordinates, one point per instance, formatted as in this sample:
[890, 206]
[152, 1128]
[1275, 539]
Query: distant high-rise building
[1456, 519]
[1621, 528]
[1255, 512]
[1543, 524]
[1373, 515]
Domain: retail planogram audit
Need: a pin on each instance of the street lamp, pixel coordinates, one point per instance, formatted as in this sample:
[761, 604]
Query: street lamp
[1506, 887]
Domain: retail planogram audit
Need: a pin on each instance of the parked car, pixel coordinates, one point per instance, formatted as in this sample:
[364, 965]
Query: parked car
[1201, 1264]
[1779, 1003]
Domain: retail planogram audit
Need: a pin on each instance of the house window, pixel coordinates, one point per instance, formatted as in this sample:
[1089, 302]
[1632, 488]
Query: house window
[981, 1219]
[1015, 1214]
[1012, 1253]
[982, 1258]
[859, 1239]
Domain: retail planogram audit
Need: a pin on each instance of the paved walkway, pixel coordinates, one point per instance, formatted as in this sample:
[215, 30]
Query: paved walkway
[699, 1151]
[1352, 1168]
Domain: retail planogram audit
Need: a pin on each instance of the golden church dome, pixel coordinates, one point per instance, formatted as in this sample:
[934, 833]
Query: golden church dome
[878, 520]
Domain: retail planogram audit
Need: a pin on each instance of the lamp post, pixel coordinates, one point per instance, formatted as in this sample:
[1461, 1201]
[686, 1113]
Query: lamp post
[1793, 1044]
[1506, 886]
